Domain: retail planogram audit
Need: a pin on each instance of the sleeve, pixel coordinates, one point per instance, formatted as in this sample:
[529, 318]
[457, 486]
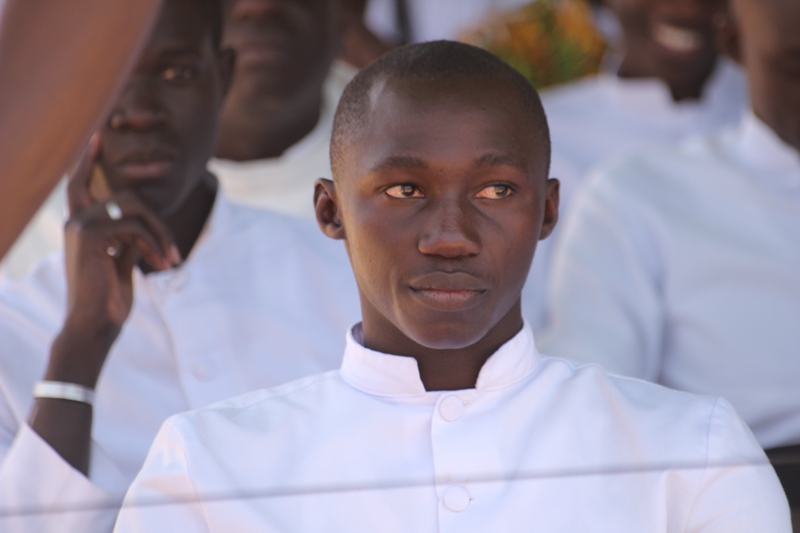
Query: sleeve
[740, 491]
[604, 302]
[163, 498]
[40, 491]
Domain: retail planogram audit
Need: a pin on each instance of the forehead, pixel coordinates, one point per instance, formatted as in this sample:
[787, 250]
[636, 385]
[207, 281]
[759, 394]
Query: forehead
[454, 122]
[184, 23]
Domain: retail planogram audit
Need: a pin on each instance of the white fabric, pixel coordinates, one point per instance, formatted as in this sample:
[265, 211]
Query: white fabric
[605, 117]
[539, 445]
[43, 234]
[433, 19]
[262, 299]
[286, 184]
[682, 266]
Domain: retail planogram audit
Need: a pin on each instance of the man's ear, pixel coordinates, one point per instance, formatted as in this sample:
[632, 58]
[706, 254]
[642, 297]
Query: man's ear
[551, 199]
[729, 39]
[326, 205]
[227, 66]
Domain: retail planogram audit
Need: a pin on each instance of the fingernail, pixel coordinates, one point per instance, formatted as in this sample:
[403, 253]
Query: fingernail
[175, 255]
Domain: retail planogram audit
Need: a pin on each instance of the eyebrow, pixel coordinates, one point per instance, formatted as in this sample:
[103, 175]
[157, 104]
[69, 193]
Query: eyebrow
[495, 160]
[400, 162]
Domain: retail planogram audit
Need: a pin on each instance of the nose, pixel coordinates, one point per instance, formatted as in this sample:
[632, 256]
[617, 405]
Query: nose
[254, 9]
[138, 108]
[451, 231]
[693, 9]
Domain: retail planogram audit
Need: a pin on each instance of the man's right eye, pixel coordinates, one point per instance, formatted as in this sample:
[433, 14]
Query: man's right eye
[178, 73]
[404, 191]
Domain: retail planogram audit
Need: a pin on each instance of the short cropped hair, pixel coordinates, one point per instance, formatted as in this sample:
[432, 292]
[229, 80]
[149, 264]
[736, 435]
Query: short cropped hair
[436, 61]
[216, 19]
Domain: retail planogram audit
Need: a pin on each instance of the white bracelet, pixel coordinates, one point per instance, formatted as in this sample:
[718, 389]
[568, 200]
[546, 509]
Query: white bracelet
[63, 391]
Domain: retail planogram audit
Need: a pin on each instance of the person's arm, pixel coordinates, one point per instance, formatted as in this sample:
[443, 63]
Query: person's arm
[61, 64]
[100, 251]
[740, 491]
[604, 301]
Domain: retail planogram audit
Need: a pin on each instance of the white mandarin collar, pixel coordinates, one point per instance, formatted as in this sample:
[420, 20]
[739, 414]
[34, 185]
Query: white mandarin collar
[652, 95]
[396, 376]
[211, 238]
[761, 149]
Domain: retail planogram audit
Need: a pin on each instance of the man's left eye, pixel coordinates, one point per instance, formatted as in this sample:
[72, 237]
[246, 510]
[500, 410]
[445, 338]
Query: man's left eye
[494, 192]
[178, 73]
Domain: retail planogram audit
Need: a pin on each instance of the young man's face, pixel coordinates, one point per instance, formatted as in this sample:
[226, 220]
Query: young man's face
[674, 39]
[281, 45]
[769, 50]
[162, 129]
[442, 202]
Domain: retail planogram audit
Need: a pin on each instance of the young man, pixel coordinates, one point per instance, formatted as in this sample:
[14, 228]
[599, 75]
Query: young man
[681, 266]
[275, 128]
[174, 297]
[276, 123]
[670, 83]
[443, 416]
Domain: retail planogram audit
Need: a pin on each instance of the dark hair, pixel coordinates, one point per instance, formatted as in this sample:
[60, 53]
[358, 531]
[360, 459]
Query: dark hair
[215, 12]
[435, 62]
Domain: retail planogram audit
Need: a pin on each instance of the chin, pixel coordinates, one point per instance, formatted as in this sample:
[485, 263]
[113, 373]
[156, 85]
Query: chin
[453, 334]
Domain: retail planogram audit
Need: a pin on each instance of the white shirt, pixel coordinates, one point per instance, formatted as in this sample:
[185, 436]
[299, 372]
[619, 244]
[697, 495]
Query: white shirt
[539, 445]
[605, 117]
[286, 184]
[682, 266]
[262, 299]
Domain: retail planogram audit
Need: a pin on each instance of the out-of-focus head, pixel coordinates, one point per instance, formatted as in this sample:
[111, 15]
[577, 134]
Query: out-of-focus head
[764, 37]
[283, 46]
[673, 40]
[440, 156]
[162, 129]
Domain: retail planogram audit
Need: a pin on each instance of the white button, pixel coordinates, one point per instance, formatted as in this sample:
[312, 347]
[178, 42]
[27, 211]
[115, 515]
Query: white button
[456, 498]
[451, 408]
[203, 371]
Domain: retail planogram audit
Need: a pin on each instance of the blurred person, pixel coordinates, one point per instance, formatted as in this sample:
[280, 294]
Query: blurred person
[276, 124]
[682, 265]
[671, 83]
[167, 297]
[443, 416]
[48, 105]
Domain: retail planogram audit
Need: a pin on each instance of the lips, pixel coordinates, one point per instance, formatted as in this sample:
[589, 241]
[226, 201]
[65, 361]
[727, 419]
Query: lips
[448, 291]
[144, 165]
[678, 39]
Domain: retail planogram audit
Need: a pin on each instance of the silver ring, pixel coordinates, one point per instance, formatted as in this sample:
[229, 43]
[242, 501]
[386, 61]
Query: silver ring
[114, 210]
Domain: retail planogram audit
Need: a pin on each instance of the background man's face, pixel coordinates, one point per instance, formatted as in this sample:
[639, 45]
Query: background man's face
[281, 45]
[769, 37]
[162, 129]
[442, 199]
[675, 38]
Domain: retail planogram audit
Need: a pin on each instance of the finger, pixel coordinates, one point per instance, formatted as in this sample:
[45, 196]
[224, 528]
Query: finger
[78, 197]
[131, 205]
[134, 235]
[121, 235]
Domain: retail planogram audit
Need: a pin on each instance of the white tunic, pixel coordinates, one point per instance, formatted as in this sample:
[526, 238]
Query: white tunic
[257, 288]
[605, 117]
[682, 266]
[539, 445]
[286, 184]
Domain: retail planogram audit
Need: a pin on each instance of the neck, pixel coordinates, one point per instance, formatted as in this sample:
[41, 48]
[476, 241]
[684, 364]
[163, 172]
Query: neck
[259, 128]
[187, 222]
[441, 369]
[688, 85]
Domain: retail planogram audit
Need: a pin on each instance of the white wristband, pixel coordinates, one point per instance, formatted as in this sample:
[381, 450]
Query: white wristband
[63, 391]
